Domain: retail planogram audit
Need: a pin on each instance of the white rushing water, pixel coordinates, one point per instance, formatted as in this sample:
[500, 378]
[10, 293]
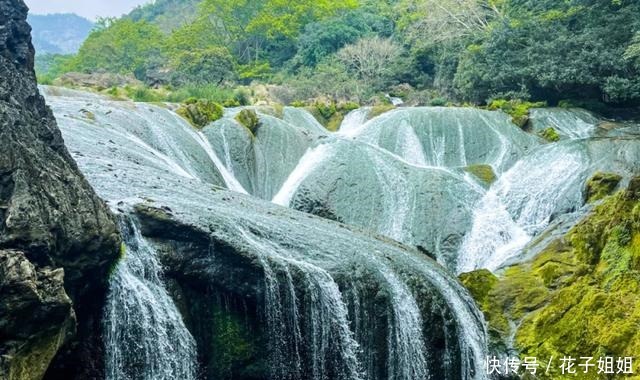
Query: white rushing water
[328, 317]
[311, 160]
[144, 335]
[229, 179]
[521, 204]
[354, 121]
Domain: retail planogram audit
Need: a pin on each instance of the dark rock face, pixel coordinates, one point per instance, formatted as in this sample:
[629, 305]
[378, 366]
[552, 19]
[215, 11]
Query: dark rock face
[37, 316]
[48, 211]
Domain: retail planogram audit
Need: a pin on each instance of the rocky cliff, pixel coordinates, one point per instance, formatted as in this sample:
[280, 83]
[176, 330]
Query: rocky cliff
[57, 238]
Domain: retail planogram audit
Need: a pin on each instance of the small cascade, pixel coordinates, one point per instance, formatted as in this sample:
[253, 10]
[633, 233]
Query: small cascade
[568, 123]
[353, 121]
[406, 359]
[231, 181]
[410, 146]
[313, 158]
[472, 334]
[145, 337]
[396, 197]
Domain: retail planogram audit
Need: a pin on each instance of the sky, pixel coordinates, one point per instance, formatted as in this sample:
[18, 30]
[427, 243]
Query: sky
[90, 9]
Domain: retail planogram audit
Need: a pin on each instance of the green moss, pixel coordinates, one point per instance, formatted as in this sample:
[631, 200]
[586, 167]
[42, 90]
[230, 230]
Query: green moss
[484, 173]
[249, 118]
[580, 296]
[232, 343]
[122, 254]
[380, 109]
[601, 185]
[550, 134]
[334, 123]
[517, 109]
[200, 113]
[326, 110]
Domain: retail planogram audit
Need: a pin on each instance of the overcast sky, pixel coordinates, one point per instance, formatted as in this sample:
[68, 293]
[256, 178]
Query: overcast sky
[90, 9]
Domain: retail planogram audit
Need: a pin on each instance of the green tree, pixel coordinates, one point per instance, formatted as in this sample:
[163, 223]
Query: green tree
[121, 46]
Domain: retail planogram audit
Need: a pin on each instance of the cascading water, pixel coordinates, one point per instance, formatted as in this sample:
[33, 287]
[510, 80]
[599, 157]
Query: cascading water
[314, 157]
[353, 121]
[329, 325]
[521, 204]
[338, 303]
[145, 337]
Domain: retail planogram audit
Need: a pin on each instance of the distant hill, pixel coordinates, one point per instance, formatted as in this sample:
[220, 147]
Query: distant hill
[167, 14]
[59, 33]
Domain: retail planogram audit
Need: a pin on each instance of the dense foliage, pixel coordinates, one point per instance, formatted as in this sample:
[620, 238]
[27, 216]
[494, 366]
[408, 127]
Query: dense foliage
[427, 51]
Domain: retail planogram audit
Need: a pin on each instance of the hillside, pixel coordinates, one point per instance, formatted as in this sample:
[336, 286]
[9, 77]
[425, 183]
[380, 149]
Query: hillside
[167, 14]
[59, 33]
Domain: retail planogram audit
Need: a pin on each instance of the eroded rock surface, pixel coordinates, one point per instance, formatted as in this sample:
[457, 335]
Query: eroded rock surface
[48, 213]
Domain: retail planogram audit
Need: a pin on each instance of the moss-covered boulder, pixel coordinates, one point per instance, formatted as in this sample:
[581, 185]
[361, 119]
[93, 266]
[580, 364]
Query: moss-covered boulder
[517, 109]
[249, 118]
[601, 185]
[580, 297]
[200, 113]
[484, 173]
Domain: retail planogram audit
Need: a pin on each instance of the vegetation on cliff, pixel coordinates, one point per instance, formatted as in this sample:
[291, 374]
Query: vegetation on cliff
[580, 297]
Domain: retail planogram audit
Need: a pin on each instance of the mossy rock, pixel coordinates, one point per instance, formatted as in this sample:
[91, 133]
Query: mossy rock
[550, 134]
[333, 124]
[517, 109]
[579, 297]
[379, 110]
[249, 118]
[601, 185]
[484, 173]
[200, 113]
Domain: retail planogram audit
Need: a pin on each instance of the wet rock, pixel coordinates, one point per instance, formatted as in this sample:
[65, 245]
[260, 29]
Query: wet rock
[37, 316]
[47, 209]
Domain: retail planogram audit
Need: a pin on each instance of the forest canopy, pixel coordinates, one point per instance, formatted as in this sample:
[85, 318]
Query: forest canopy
[426, 50]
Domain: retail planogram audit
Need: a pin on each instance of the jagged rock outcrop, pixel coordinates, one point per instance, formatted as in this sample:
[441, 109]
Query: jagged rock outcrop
[37, 316]
[52, 225]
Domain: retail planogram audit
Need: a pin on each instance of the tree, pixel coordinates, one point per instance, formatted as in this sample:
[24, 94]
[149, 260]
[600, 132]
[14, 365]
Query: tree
[552, 50]
[431, 22]
[323, 38]
[371, 59]
[120, 46]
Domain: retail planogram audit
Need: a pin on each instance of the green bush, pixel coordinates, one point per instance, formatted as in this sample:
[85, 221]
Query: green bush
[201, 113]
[438, 102]
[249, 118]
[517, 109]
[550, 134]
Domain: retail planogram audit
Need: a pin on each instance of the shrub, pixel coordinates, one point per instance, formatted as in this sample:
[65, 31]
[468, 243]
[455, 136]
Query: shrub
[201, 112]
[517, 109]
[249, 118]
[550, 134]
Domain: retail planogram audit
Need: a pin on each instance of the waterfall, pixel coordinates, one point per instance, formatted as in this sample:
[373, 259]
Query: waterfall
[397, 198]
[328, 320]
[327, 301]
[409, 144]
[145, 337]
[406, 359]
[571, 123]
